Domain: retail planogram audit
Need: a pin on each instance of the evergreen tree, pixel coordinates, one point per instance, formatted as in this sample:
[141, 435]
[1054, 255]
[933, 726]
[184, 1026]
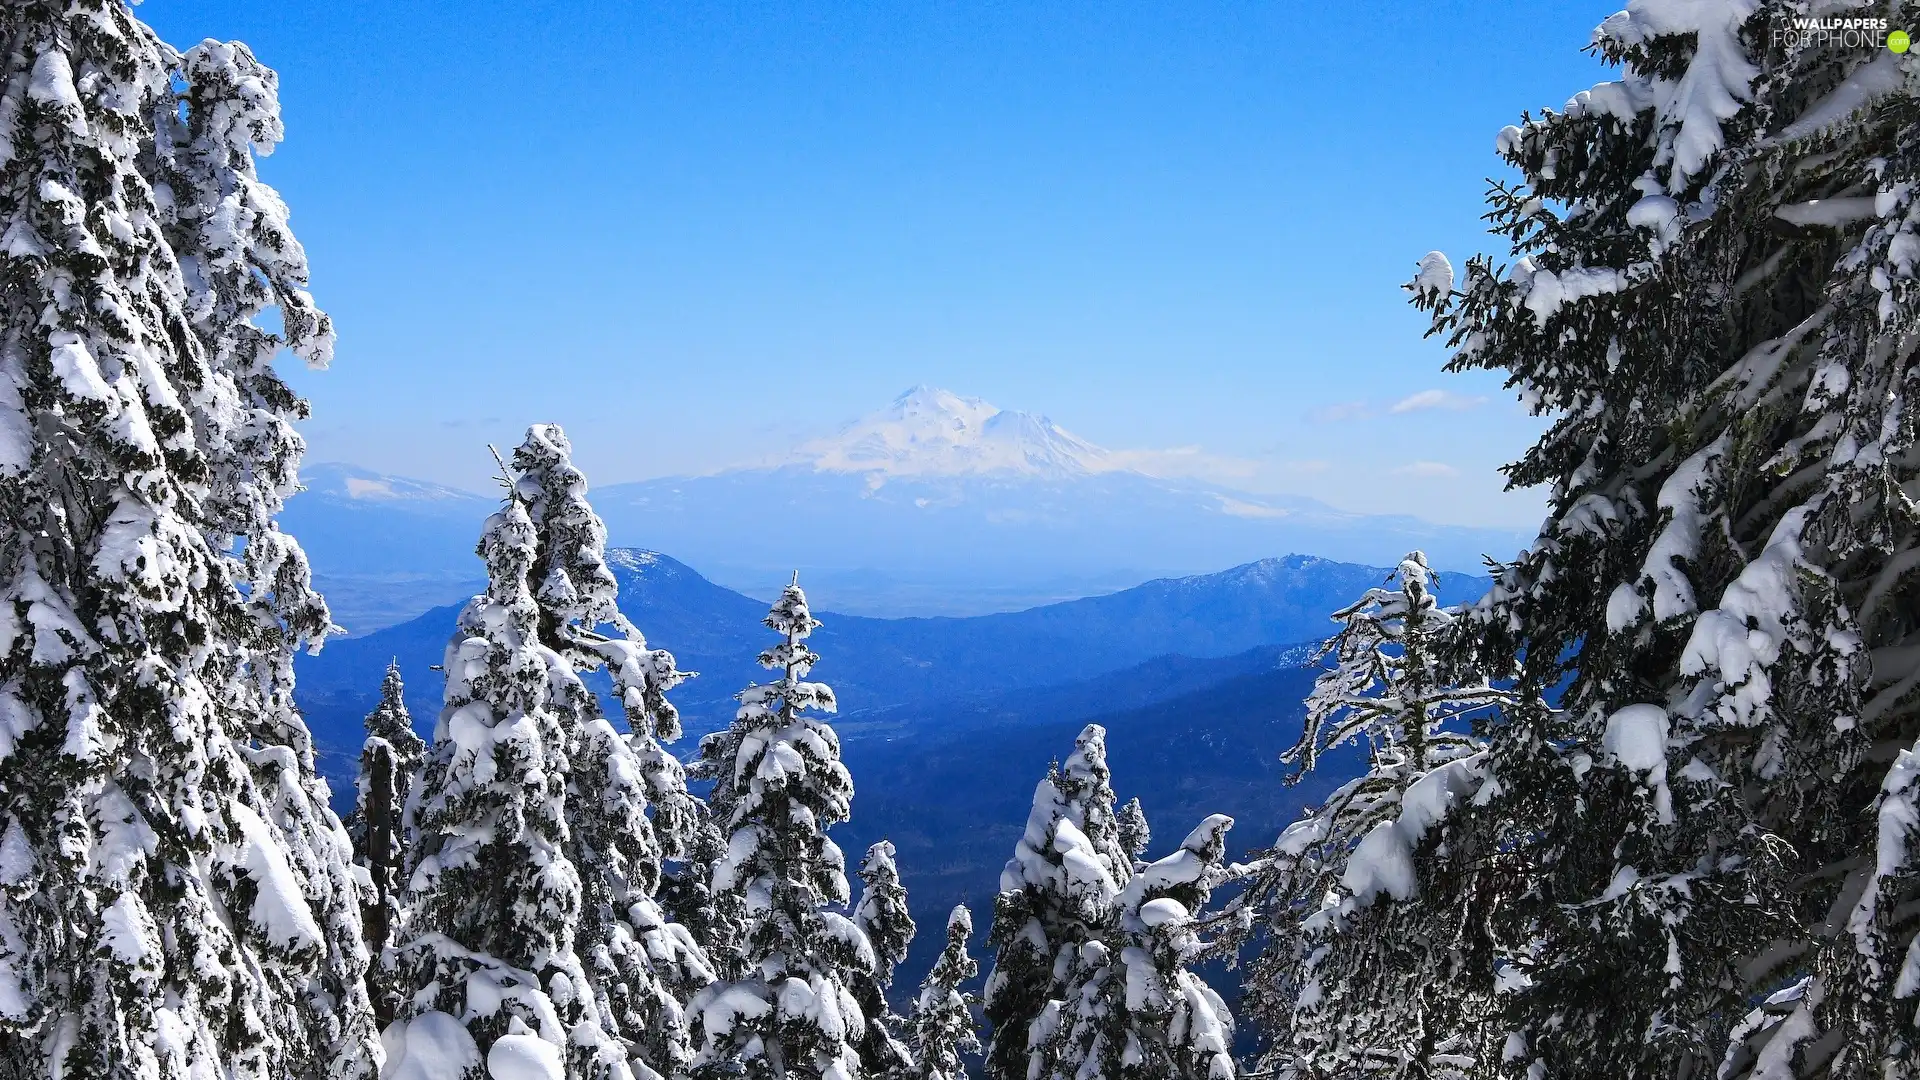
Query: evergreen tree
[941, 1026]
[1135, 835]
[1091, 970]
[625, 794]
[1713, 298]
[1179, 1024]
[778, 784]
[1338, 978]
[493, 900]
[1132, 1008]
[388, 761]
[1057, 892]
[175, 896]
[882, 916]
[569, 943]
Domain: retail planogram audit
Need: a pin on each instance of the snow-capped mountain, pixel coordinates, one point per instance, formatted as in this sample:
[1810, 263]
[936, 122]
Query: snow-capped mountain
[933, 432]
[385, 548]
[937, 504]
[941, 490]
[351, 484]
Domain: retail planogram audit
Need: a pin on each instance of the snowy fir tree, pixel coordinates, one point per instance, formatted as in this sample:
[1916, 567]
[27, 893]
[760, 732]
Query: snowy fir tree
[562, 960]
[1056, 894]
[716, 919]
[1335, 982]
[882, 912]
[175, 896]
[941, 1028]
[1091, 973]
[1701, 861]
[1135, 834]
[582, 620]
[388, 760]
[1092, 946]
[625, 793]
[882, 916]
[486, 952]
[1131, 1008]
[778, 785]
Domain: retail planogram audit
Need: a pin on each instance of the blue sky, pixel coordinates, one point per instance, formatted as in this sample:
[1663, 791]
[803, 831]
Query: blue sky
[696, 234]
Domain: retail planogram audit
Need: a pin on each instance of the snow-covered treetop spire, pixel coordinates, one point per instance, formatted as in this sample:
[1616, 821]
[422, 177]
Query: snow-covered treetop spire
[882, 914]
[1117, 998]
[1385, 681]
[791, 617]
[778, 785]
[1133, 831]
[494, 891]
[941, 1027]
[882, 919]
[581, 621]
[390, 719]
[1056, 893]
[1073, 819]
[1085, 784]
[775, 753]
[1177, 1023]
[570, 574]
[529, 775]
[388, 761]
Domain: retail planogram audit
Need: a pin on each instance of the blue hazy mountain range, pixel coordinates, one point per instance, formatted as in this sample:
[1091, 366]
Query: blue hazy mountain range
[876, 664]
[935, 505]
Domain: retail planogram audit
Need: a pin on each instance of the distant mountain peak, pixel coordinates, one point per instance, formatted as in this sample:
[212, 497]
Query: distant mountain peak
[629, 558]
[928, 431]
[355, 484]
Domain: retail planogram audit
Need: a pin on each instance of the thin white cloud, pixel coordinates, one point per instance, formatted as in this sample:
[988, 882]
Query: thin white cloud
[1340, 412]
[1305, 468]
[1183, 462]
[1430, 469]
[1435, 399]
[1242, 509]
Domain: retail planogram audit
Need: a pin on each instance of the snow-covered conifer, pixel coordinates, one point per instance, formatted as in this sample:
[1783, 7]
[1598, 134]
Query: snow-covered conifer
[941, 1029]
[1334, 938]
[1092, 948]
[175, 896]
[882, 912]
[778, 784]
[625, 793]
[582, 620]
[1131, 1007]
[388, 761]
[1057, 892]
[568, 943]
[493, 899]
[1135, 834]
[1712, 297]
[882, 916]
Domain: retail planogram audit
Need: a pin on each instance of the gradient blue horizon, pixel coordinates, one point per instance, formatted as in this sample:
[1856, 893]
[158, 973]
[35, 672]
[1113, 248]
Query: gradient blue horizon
[696, 234]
